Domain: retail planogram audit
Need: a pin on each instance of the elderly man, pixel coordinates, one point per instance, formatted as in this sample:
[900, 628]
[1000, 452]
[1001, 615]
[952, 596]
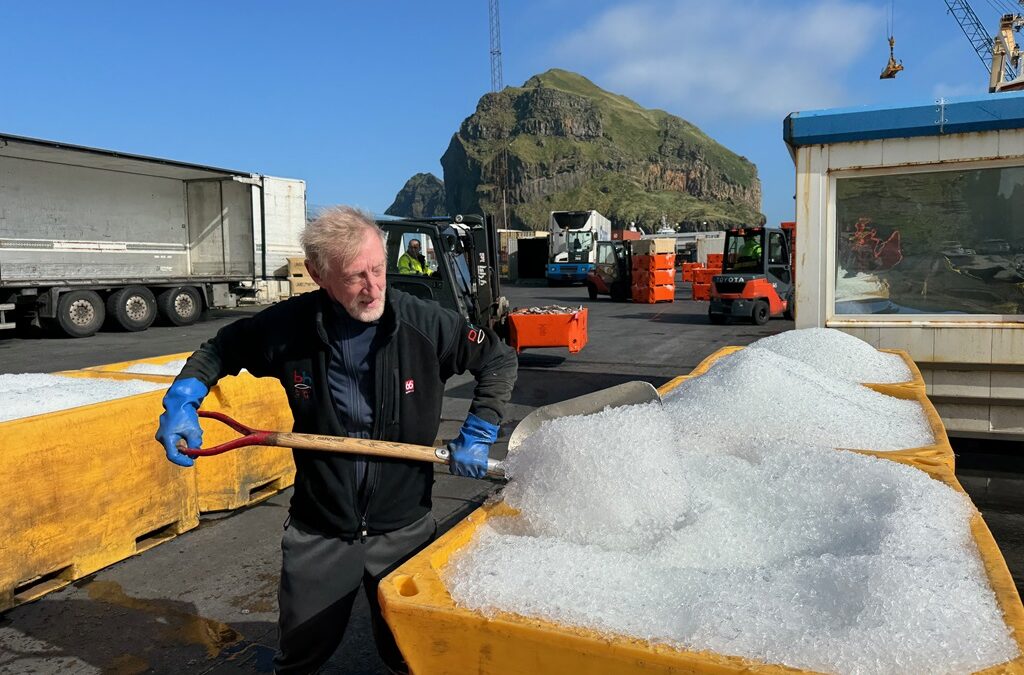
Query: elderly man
[355, 359]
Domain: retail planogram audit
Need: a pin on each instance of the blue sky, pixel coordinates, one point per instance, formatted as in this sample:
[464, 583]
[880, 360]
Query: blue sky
[355, 97]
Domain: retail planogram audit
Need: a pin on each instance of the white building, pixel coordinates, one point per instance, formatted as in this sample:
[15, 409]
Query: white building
[910, 235]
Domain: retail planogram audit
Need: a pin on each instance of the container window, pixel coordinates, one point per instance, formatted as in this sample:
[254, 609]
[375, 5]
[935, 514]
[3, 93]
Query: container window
[949, 242]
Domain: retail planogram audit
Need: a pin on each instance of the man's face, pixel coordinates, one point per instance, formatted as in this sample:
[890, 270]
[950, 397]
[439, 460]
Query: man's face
[414, 248]
[360, 286]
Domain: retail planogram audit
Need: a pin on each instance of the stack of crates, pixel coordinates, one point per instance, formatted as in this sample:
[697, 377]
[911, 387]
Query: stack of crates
[702, 277]
[689, 268]
[298, 277]
[654, 271]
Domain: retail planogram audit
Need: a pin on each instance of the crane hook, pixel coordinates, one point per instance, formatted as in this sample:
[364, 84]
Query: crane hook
[893, 67]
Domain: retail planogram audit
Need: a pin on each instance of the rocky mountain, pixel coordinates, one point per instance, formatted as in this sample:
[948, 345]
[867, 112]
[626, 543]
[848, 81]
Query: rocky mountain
[422, 196]
[566, 144]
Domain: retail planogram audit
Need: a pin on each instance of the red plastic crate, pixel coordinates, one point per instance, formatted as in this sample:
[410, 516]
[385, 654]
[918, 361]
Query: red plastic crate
[702, 291]
[548, 330]
[715, 260]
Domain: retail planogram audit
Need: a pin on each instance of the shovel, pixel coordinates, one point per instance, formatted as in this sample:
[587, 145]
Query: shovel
[630, 393]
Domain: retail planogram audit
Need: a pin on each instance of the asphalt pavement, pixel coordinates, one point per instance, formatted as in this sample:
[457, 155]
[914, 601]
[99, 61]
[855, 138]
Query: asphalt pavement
[205, 602]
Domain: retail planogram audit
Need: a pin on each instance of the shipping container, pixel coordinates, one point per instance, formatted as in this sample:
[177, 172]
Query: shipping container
[89, 235]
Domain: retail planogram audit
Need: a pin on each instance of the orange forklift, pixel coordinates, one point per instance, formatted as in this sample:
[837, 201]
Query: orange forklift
[758, 275]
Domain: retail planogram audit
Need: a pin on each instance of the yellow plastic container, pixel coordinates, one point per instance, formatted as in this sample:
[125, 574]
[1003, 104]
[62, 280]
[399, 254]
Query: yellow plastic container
[120, 366]
[939, 451]
[437, 637]
[87, 487]
[248, 475]
[240, 477]
[916, 381]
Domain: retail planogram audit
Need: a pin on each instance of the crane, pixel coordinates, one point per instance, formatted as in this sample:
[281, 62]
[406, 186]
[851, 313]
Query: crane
[497, 78]
[1000, 55]
[500, 167]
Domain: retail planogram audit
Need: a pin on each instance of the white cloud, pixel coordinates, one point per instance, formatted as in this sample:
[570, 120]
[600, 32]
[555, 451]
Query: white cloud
[728, 58]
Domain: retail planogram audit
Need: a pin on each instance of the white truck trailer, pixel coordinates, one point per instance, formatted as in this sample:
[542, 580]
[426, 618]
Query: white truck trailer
[572, 246]
[88, 235]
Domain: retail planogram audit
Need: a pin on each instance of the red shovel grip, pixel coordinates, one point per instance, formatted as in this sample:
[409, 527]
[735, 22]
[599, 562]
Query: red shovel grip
[251, 436]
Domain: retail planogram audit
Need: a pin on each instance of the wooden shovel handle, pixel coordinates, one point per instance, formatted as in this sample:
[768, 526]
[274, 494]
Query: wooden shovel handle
[359, 446]
[362, 446]
[342, 444]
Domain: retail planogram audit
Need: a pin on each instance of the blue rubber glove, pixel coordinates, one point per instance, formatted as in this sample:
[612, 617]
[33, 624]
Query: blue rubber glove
[180, 420]
[469, 450]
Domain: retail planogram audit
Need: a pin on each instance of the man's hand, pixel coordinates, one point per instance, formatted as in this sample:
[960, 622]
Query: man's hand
[469, 450]
[180, 421]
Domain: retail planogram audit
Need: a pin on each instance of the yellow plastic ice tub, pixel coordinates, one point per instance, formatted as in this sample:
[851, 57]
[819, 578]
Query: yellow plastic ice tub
[437, 637]
[916, 381]
[242, 477]
[87, 487]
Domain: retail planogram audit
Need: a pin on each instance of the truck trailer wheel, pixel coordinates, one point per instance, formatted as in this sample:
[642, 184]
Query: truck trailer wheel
[133, 308]
[80, 313]
[761, 314]
[180, 306]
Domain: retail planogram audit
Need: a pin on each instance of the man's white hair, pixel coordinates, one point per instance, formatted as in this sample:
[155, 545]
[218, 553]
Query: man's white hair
[335, 236]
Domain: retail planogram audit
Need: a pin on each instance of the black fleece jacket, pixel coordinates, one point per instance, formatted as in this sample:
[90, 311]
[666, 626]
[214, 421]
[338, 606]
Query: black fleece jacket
[421, 346]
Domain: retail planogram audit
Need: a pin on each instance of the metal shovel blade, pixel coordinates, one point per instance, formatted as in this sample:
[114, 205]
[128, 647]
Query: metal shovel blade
[628, 393]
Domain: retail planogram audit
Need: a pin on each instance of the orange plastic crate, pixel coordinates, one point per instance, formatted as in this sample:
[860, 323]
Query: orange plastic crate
[548, 330]
[651, 294]
[702, 291]
[658, 261]
[704, 276]
[655, 278]
[690, 270]
[715, 260]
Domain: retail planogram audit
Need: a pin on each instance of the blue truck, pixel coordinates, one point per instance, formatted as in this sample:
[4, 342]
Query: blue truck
[572, 246]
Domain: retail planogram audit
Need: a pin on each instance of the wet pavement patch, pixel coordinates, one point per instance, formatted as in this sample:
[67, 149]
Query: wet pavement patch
[177, 626]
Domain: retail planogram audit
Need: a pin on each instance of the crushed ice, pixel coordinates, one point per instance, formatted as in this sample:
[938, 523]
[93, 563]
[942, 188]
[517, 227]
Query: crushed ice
[26, 394]
[723, 520]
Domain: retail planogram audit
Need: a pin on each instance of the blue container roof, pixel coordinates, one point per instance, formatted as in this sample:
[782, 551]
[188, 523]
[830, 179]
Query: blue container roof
[989, 112]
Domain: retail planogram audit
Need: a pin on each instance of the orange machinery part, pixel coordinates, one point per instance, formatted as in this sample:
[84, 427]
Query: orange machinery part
[548, 330]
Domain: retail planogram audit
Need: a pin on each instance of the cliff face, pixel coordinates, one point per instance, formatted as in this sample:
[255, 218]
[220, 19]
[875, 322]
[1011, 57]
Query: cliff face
[566, 144]
[422, 196]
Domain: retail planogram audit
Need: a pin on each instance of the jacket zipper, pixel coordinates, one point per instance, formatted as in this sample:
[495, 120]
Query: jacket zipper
[384, 395]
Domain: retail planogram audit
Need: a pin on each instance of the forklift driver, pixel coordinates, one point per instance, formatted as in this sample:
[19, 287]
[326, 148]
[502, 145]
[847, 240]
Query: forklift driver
[750, 253]
[412, 261]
